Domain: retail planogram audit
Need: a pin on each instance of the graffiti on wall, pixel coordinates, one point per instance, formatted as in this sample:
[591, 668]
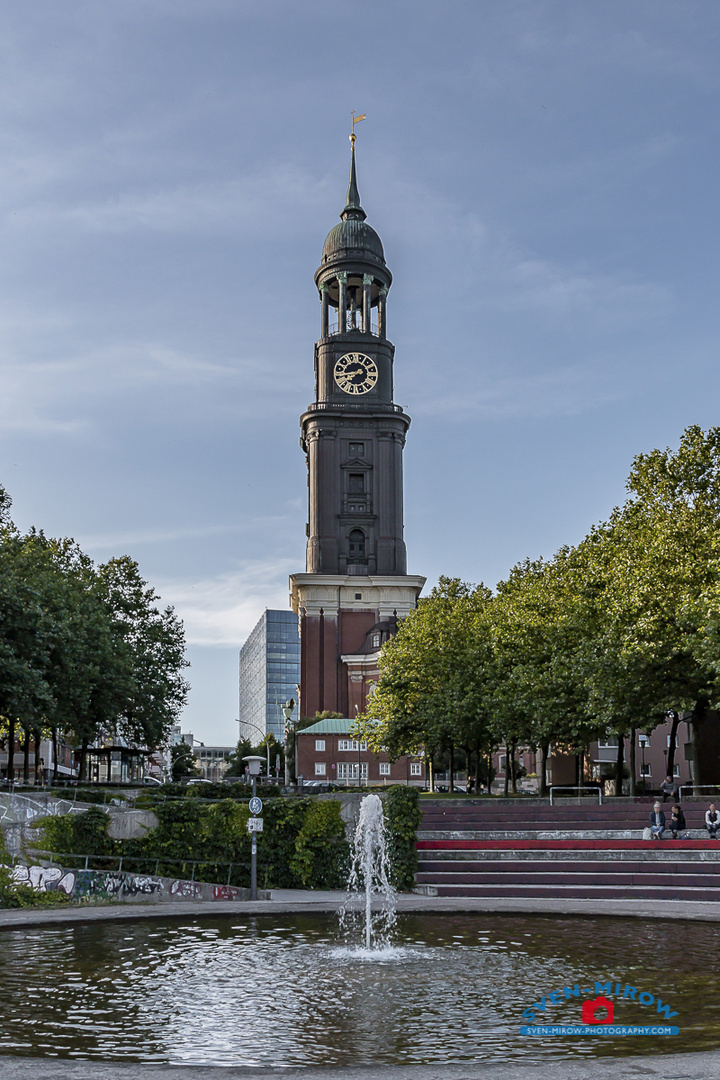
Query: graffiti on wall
[225, 892]
[45, 878]
[114, 885]
[87, 886]
[188, 890]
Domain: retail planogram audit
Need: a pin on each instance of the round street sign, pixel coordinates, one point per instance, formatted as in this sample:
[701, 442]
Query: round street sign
[255, 806]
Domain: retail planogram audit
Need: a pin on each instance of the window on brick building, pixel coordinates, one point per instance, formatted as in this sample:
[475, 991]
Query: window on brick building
[320, 744]
[384, 768]
[415, 768]
[348, 770]
[320, 769]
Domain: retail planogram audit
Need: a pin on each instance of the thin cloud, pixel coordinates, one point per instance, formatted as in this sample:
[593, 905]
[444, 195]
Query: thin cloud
[261, 203]
[222, 610]
[564, 391]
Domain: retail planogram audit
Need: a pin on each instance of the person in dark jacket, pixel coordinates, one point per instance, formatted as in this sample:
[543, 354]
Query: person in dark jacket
[669, 788]
[677, 821]
[657, 822]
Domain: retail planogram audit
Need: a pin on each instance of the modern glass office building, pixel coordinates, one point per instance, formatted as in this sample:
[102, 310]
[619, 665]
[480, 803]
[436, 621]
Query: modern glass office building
[269, 674]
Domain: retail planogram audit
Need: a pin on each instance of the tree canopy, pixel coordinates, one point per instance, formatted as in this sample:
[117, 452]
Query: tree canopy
[606, 636]
[83, 648]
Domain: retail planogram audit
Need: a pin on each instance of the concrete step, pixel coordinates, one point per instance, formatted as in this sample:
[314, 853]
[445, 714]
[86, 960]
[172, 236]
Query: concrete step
[461, 835]
[674, 881]
[465, 842]
[668, 855]
[567, 866]
[586, 892]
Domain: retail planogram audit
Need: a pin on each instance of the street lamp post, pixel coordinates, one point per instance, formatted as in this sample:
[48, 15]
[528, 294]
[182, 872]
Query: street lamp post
[643, 740]
[264, 734]
[288, 709]
[254, 763]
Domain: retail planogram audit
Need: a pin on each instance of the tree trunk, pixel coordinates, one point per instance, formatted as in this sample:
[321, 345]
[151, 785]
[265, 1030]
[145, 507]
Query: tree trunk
[26, 756]
[507, 769]
[545, 751]
[478, 759]
[451, 785]
[55, 749]
[633, 778]
[37, 739]
[619, 761]
[673, 736]
[513, 767]
[83, 761]
[10, 771]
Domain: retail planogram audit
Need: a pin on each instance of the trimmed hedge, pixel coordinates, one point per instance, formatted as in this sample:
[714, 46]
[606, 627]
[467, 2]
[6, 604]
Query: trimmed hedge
[402, 819]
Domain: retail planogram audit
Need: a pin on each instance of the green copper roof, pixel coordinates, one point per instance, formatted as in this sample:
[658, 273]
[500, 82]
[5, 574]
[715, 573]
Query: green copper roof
[353, 234]
[328, 727]
[352, 203]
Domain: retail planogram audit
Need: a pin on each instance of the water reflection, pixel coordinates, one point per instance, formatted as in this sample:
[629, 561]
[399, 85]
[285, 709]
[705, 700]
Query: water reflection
[250, 991]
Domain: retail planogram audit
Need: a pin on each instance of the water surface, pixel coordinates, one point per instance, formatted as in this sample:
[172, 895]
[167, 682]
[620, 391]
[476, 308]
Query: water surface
[257, 991]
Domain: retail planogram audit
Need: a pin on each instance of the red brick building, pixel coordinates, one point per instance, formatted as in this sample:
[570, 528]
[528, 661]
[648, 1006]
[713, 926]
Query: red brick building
[328, 752]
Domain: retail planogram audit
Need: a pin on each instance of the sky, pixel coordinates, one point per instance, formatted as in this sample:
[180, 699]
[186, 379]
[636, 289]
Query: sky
[543, 175]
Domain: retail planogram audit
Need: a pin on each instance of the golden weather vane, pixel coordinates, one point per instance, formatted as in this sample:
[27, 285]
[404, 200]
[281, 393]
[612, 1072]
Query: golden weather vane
[355, 120]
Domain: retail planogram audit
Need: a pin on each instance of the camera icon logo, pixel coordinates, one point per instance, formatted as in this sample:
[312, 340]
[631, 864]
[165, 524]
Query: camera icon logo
[590, 1010]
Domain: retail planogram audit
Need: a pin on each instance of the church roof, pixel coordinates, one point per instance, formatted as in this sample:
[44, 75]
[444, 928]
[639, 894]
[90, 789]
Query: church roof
[353, 234]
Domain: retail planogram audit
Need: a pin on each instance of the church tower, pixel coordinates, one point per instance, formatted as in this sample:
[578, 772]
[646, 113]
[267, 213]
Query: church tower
[356, 585]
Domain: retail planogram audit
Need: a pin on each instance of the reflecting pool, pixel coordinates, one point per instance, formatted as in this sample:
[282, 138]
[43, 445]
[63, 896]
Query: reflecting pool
[237, 990]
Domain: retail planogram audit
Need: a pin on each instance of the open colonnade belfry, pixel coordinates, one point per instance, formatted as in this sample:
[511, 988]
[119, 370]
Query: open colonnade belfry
[356, 587]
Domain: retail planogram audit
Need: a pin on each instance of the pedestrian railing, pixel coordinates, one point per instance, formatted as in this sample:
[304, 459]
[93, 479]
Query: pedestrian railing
[583, 791]
[128, 863]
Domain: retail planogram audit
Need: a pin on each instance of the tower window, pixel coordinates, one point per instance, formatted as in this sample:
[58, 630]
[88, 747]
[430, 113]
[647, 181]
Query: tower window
[356, 484]
[357, 546]
[357, 448]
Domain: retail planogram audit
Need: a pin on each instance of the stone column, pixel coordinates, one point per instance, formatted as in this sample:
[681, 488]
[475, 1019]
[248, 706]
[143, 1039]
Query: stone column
[325, 300]
[382, 316]
[367, 318]
[342, 304]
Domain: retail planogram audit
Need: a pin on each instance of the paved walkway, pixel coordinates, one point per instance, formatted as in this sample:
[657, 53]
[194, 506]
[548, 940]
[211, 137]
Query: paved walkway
[668, 1067]
[285, 901]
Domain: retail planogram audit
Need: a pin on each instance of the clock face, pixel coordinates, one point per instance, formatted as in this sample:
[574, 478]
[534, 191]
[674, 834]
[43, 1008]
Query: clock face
[356, 373]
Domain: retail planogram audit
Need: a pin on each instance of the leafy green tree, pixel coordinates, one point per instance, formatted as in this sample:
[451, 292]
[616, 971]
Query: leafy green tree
[155, 639]
[434, 678]
[183, 762]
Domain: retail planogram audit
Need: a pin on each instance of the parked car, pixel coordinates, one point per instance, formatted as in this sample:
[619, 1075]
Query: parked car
[151, 781]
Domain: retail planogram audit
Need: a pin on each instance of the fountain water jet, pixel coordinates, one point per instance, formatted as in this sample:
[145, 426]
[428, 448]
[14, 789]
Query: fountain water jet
[369, 873]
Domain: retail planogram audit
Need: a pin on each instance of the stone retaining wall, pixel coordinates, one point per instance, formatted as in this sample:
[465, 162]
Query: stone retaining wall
[88, 886]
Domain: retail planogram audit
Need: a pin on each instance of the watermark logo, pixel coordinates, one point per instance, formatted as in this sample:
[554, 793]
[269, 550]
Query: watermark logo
[597, 1014]
[599, 1011]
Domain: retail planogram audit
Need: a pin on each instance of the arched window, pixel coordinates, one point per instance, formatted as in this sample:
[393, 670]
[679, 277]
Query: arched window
[357, 546]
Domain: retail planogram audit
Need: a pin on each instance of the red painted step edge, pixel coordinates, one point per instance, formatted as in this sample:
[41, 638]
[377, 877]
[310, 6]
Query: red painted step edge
[568, 845]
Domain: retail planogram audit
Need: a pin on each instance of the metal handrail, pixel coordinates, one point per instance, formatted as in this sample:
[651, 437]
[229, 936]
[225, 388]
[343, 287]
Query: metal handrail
[333, 330]
[316, 406]
[567, 787]
[55, 857]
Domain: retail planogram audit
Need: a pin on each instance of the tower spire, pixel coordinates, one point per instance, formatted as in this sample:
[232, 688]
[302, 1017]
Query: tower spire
[353, 209]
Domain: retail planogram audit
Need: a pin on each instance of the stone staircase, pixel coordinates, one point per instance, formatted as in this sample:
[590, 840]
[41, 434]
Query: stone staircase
[578, 851]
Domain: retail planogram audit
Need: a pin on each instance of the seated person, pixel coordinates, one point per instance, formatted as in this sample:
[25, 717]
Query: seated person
[657, 822]
[712, 821]
[677, 821]
[669, 788]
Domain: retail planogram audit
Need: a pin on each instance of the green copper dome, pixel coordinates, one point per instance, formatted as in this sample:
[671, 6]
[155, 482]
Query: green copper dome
[353, 235]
